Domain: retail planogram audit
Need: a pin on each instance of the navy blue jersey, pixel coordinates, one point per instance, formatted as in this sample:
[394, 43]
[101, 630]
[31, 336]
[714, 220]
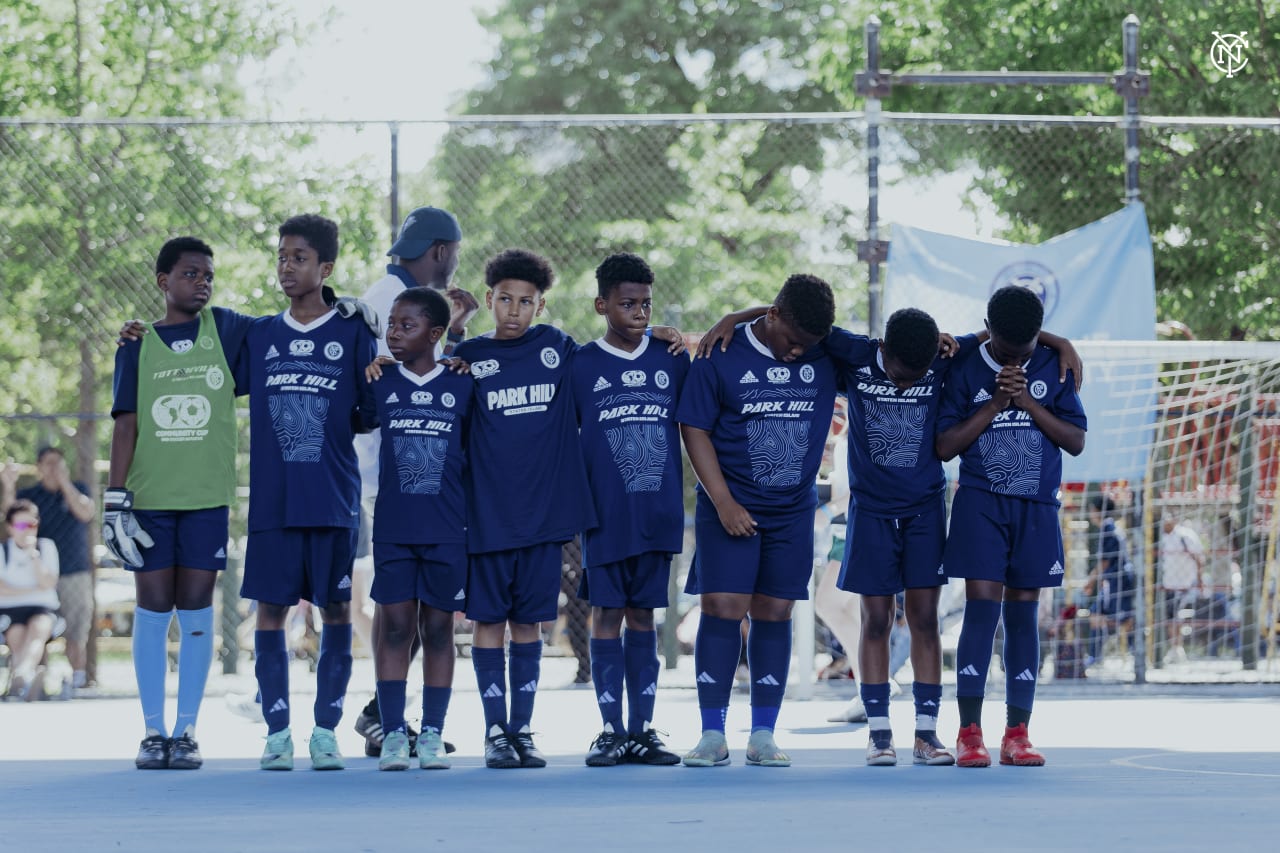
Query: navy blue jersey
[421, 497]
[1011, 456]
[307, 399]
[626, 405]
[232, 328]
[894, 471]
[768, 420]
[527, 483]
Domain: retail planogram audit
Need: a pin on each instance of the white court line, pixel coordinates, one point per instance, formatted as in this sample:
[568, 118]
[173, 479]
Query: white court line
[1132, 761]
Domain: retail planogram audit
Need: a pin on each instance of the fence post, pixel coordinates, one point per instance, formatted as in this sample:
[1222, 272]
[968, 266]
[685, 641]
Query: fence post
[1131, 85]
[870, 251]
[394, 127]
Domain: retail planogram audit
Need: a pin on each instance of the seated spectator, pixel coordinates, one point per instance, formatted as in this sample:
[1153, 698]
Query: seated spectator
[28, 596]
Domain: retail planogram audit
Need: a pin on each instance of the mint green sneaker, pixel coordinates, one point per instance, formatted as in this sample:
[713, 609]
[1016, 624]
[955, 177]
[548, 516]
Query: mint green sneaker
[278, 754]
[711, 751]
[324, 750]
[431, 751]
[395, 752]
[762, 751]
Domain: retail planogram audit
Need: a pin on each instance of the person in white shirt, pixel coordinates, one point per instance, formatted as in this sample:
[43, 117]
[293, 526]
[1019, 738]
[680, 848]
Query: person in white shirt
[1181, 567]
[28, 595]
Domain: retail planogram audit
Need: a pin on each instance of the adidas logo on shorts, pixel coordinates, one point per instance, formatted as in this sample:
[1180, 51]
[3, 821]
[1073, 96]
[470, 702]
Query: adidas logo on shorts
[461, 596]
[221, 554]
[1056, 569]
[602, 384]
[982, 396]
[345, 583]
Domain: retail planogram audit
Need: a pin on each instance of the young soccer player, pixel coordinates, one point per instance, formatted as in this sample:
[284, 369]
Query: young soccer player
[626, 386]
[527, 495]
[172, 479]
[308, 397]
[1009, 419]
[419, 528]
[754, 419]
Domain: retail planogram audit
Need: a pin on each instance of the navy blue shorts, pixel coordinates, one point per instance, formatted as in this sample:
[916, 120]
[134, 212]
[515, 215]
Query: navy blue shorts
[520, 585]
[777, 561]
[433, 574]
[285, 565]
[884, 556]
[186, 538]
[639, 581]
[1009, 540]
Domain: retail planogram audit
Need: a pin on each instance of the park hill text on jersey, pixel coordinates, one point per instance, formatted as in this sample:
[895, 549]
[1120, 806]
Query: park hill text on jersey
[521, 399]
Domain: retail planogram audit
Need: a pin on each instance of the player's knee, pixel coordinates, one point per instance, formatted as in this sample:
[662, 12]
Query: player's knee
[639, 619]
[336, 613]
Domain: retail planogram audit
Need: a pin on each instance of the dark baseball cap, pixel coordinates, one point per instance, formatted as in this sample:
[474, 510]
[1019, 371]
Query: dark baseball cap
[423, 227]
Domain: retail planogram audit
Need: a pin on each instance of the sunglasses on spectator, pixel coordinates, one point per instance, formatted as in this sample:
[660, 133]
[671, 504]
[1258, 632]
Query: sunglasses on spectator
[24, 525]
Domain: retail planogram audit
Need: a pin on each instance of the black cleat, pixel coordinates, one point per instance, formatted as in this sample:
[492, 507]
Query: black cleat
[184, 753]
[153, 753]
[499, 752]
[530, 755]
[369, 726]
[608, 749]
[648, 748]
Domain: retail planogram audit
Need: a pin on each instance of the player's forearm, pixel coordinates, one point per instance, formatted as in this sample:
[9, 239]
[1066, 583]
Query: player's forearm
[706, 464]
[953, 441]
[1065, 435]
[124, 439]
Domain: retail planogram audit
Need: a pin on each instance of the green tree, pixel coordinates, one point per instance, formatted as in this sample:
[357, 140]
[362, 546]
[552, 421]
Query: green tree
[701, 202]
[1209, 192]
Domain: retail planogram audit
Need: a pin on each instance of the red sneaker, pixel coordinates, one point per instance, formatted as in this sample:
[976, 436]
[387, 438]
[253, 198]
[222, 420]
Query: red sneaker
[970, 751]
[1016, 748]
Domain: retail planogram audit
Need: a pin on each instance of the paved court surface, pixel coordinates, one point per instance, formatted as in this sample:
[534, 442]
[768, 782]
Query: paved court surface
[1191, 768]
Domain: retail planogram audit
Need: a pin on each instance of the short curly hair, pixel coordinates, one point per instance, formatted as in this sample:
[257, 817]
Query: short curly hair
[174, 249]
[807, 302]
[430, 302]
[521, 265]
[320, 233]
[620, 267]
[911, 336]
[1015, 314]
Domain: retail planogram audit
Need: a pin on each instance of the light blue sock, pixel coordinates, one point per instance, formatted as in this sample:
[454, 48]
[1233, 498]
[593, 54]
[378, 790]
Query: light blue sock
[150, 664]
[194, 657]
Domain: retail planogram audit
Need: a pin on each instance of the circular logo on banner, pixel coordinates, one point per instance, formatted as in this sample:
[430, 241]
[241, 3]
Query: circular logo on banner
[447, 400]
[214, 378]
[550, 358]
[1039, 389]
[180, 411]
[1034, 276]
[661, 379]
[333, 350]
[806, 373]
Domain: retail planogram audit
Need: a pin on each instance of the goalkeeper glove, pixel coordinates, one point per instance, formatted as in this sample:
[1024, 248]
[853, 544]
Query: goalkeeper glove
[349, 306]
[120, 530]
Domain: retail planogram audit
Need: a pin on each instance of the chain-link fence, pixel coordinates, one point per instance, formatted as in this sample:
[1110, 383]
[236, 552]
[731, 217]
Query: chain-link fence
[724, 208]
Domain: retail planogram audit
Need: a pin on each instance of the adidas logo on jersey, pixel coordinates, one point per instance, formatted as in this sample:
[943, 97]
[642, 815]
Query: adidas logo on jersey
[969, 670]
[393, 397]
[1025, 675]
[705, 678]
[651, 690]
[278, 707]
[864, 371]
[1056, 569]
[492, 692]
[530, 687]
[982, 396]
[221, 554]
[747, 378]
[345, 583]
[461, 596]
[602, 384]
[768, 681]
[272, 352]
[605, 698]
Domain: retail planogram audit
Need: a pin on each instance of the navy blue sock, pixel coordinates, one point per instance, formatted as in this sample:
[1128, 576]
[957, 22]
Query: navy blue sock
[928, 698]
[333, 672]
[526, 669]
[271, 666]
[973, 651]
[607, 675]
[435, 704]
[491, 678]
[641, 651]
[715, 657]
[1021, 655]
[769, 659]
[875, 698]
[391, 705]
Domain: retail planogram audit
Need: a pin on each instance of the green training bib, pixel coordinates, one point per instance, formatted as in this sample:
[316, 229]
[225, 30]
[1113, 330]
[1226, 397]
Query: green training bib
[185, 457]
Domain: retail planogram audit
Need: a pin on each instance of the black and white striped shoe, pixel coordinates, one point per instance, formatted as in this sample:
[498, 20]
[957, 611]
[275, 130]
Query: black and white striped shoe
[648, 748]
